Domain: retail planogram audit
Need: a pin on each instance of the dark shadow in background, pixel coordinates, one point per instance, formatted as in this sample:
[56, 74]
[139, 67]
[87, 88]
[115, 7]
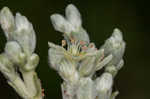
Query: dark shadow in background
[100, 17]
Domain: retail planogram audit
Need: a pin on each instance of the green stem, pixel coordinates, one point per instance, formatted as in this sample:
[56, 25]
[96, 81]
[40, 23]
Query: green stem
[30, 82]
[20, 87]
[33, 84]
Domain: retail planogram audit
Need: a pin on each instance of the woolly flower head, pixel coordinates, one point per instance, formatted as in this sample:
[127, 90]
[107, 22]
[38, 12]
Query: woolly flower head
[78, 61]
[76, 49]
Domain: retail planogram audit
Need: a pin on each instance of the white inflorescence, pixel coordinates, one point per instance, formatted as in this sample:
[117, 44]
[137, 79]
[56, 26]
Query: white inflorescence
[79, 63]
[19, 55]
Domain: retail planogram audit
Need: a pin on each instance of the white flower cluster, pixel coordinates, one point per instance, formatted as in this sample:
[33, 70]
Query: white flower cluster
[19, 55]
[78, 60]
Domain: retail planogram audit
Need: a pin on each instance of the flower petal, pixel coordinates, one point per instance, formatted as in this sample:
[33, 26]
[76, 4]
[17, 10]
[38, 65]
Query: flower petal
[87, 66]
[60, 24]
[68, 72]
[55, 57]
[73, 16]
[7, 22]
[104, 62]
[81, 35]
[22, 23]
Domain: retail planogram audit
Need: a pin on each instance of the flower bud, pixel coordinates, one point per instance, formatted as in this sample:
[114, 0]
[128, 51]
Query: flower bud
[32, 62]
[86, 89]
[61, 24]
[73, 16]
[24, 34]
[111, 69]
[104, 86]
[7, 22]
[13, 51]
[104, 83]
[115, 46]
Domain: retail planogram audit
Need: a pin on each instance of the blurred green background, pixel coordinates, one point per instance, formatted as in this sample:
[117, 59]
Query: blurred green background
[100, 17]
